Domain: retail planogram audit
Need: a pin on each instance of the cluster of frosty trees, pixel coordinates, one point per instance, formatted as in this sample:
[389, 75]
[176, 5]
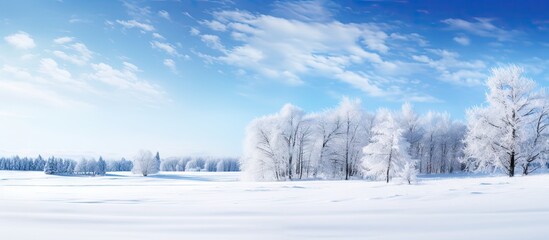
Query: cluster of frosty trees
[59, 166]
[348, 142]
[144, 163]
[331, 144]
[22, 164]
[64, 166]
[200, 164]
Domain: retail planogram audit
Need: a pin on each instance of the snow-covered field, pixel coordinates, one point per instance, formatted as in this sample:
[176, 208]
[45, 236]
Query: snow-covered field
[217, 206]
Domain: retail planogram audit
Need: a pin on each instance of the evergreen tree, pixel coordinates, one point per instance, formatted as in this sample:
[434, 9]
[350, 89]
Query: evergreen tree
[49, 168]
[387, 154]
[101, 167]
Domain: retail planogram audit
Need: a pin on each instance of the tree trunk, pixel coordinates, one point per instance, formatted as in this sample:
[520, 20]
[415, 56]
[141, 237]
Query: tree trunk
[525, 169]
[347, 164]
[389, 163]
[512, 165]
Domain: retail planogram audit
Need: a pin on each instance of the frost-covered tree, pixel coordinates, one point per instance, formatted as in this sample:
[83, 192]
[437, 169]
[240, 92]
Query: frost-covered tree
[352, 138]
[195, 165]
[413, 129]
[59, 166]
[338, 137]
[81, 166]
[291, 132]
[387, 153]
[275, 145]
[86, 166]
[100, 167]
[50, 167]
[261, 160]
[536, 147]
[119, 165]
[509, 131]
[157, 157]
[145, 163]
[409, 173]
[435, 140]
[328, 130]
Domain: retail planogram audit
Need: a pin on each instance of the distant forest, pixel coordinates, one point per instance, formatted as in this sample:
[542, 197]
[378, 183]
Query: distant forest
[91, 166]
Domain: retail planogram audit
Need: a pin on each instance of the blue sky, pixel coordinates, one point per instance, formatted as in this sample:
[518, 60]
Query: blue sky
[185, 77]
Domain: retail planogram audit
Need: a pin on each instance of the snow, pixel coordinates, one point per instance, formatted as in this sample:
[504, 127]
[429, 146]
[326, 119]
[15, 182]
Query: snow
[218, 206]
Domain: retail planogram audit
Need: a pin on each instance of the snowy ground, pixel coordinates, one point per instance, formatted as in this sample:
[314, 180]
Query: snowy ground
[217, 206]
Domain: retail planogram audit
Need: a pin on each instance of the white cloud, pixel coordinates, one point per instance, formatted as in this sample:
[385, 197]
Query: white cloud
[69, 58]
[170, 63]
[76, 19]
[481, 27]
[135, 24]
[413, 37]
[54, 74]
[453, 70]
[19, 86]
[21, 40]
[63, 40]
[361, 82]
[136, 11]
[36, 94]
[288, 50]
[306, 10]
[158, 36]
[164, 14]
[214, 25]
[51, 69]
[166, 47]
[109, 24]
[126, 79]
[462, 40]
[194, 32]
[82, 50]
[16, 72]
[131, 67]
[213, 41]
[81, 54]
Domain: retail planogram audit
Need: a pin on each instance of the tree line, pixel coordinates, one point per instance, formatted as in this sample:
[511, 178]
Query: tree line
[54, 165]
[91, 166]
[508, 131]
[203, 164]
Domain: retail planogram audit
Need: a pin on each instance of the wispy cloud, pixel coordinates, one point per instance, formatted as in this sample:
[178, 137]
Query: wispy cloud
[158, 36]
[482, 27]
[306, 10]
[170, 63]
[126, 79]
[80, 54]
[214, 25]
[50, 67]
[294, 49]
[465, 41]
[166, 47]
[135, 24]
[452, 69]
[136, 11]
[22, 86]
[63, 40]
[164, 14]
